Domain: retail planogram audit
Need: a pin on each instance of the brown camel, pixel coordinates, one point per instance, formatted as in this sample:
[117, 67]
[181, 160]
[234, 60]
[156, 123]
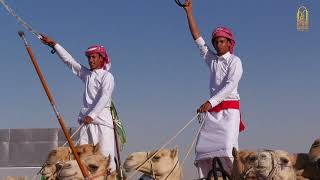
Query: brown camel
[307, 165]
[243, 164]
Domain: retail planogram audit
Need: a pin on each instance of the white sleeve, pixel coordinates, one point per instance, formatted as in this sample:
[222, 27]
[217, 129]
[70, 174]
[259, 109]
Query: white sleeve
[103, 97]
[205, 52]
[75, 67]
[233, 77]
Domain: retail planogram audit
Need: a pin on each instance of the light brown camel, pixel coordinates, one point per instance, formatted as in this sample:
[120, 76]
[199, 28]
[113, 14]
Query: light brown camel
[285, 164]
[266, 164]
[164, 165]
[87, 150]
[308, 165]
[63, 154]
[57, 155]
[274, 165]
[49, 171]
[60, 154]
[97, 165]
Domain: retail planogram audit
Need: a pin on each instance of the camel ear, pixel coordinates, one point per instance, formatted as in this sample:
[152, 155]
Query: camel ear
[96, 149]
[234, 153]
[316, 143]
[174, 152]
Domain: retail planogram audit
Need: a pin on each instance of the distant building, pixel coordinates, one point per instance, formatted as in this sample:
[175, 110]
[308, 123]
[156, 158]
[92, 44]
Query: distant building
[25, 150]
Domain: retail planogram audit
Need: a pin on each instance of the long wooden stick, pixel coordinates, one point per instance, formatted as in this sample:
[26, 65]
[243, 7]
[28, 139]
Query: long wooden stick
[53, 104]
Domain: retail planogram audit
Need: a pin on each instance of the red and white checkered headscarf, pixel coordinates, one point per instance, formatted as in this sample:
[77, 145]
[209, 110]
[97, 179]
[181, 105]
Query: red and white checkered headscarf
[98, 49]
[227, 33]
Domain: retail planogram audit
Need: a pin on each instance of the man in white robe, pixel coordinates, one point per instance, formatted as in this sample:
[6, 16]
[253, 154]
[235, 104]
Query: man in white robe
[99, 85]
[221, 129]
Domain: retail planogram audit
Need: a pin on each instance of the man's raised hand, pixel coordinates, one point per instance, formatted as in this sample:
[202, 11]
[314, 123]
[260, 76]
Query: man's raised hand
[48, 41]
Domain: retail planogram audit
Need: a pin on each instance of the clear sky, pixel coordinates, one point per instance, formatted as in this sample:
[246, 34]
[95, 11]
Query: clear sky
[160, 77]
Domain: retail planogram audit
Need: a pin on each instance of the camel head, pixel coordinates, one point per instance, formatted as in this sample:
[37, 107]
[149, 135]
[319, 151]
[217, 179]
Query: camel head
[97, 165]
[243, 164]
[307, 165]
[49, 171]
[165, 162]
[275, 165]
[87, 150]
[312, 168]
[63, 154]
[265, 163]
[285, 163]
[314, 153]
[70, 170]
[60, 154]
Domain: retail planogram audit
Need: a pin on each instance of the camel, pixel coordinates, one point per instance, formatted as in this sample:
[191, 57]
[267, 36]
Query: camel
[266, 164]
[285, 164]
[243, 164]
[57, 155]
[274, 165]
[97, 165]
[87, 150]
[307, 165]
[314, 153]
[63, 154]
[60, 154]
[164, 165]
[49, 171]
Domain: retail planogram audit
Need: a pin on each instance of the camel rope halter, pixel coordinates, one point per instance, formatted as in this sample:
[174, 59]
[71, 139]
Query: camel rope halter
[275, 164]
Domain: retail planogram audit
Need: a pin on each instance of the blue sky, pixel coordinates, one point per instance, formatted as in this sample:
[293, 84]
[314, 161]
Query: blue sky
[160, 77]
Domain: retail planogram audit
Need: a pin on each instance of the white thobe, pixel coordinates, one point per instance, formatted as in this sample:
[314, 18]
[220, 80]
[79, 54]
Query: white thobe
[221, 130]
[99, 85]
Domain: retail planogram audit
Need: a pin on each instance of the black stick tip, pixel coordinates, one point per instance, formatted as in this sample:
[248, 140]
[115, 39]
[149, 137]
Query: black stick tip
[21, 33]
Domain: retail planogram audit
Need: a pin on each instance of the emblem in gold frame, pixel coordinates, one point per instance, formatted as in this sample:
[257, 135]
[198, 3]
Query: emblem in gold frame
[302, 19]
